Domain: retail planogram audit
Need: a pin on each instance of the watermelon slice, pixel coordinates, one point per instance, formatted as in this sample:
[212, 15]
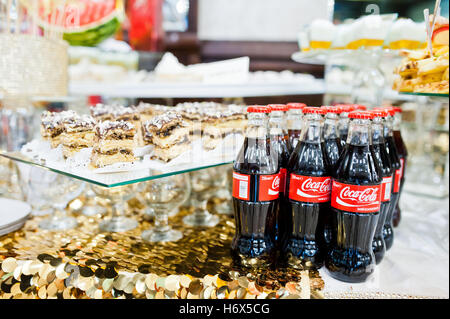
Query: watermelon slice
[83, 22]
[440, 36]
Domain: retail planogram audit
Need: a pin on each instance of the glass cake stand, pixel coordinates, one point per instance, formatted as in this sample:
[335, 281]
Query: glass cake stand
[119, 178]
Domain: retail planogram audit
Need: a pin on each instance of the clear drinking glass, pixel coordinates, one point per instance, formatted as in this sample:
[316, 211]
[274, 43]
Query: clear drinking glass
[162, 196]
[118, 197]
[92, 208]
[58, 190]
[225, 207]
[203, 185]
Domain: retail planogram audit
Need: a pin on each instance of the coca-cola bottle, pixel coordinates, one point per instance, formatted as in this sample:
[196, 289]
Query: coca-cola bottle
[294, 122]
[344, 121]
[280, 145]
[309, 195]
[256, 185]
[355, 204]
[391, 149]
[382, 158]
[403, 155]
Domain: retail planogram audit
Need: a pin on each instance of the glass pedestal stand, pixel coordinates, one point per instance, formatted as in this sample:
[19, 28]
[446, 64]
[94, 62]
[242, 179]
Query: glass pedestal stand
[428, 159]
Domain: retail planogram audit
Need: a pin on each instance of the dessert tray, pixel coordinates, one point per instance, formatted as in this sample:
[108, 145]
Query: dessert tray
[118, 145]
[39, 153]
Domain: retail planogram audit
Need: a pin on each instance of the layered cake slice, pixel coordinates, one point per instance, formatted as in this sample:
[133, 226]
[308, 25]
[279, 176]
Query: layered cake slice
[114, 143]
[102, 112]
[78, 134]
[219, 124]
[169, 134]
[52, 125]
[130, 115]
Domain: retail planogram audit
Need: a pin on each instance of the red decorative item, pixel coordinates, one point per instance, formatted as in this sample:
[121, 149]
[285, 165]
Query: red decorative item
[145, 17]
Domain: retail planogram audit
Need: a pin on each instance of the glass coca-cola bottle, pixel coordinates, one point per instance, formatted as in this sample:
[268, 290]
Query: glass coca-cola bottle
[382, 158]
[403, 155]
[355, 204]
[391, 149]
[309, 194]
[256, 185]
[280, 145]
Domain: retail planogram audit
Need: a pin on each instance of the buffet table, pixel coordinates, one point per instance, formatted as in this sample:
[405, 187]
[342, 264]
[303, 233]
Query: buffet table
[86, 263]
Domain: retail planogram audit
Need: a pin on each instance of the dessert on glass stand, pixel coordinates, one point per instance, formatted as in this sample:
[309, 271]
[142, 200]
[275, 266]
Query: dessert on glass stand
[426, 70]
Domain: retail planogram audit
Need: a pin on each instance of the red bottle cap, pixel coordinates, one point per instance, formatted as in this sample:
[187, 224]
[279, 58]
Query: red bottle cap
[365, 115]
[278, 107]
[258, 109]
[296, 106]
[332, 109]
[379, 113]
[345, 107]
[360, 107]
[314, 110]
[389, 109]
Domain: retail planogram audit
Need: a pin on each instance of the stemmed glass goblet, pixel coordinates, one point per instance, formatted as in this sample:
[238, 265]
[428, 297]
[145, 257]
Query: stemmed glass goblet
[163, 196]
[203, 184]
[58, 190]
[117, 196]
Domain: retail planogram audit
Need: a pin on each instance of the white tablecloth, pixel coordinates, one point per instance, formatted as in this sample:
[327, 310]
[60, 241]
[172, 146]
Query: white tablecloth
[418, 263]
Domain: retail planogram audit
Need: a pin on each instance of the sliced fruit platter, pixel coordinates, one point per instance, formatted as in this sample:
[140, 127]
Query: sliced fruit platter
[82, 22]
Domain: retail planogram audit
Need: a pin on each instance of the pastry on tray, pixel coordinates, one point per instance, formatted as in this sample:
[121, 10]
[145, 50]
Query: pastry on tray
[114, 143]
[423, 71]
[219, 124]
[52, 125]
[78, 134]
[168, 133]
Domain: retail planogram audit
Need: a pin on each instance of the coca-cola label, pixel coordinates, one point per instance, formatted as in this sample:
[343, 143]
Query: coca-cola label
[241, 186]
[282, 180]
[269, 187]
[355, 198]
[398, 176]
[309, 189]
[386, 189]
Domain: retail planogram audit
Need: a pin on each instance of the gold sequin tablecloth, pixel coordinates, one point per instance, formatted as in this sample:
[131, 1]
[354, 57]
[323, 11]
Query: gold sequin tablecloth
[86, 263]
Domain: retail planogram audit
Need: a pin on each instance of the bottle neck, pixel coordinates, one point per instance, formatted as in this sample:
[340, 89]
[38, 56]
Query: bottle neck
[276, 123]
[397, 121]
[377, 128]
[294, 119]
[388, 126]
[359, 133]
[257, 127]
[311, 131]
[330, 126]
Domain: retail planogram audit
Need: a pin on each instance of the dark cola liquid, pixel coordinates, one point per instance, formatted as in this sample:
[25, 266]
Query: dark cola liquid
[388, 232]
[280, 145]
[402, 154]
[350, 257]
[333, 149]
[294, 138]
[378, 244]
[253, 244]
[305, 245]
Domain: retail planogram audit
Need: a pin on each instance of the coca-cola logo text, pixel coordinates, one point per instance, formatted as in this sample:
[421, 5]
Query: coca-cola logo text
[320, 187]
[367, 195]
[276, 183]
